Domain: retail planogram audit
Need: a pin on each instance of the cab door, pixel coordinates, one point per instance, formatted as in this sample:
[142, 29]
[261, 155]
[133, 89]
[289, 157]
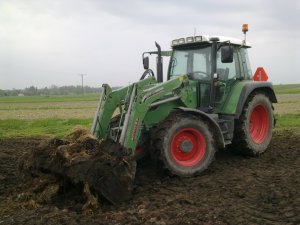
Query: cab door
[227, 76]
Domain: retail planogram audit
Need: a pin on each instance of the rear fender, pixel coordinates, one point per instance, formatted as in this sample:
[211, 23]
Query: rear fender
[212, 123]
[249, 89]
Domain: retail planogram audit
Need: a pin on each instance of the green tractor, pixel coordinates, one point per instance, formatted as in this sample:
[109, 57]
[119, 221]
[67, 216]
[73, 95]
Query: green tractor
[209, 101]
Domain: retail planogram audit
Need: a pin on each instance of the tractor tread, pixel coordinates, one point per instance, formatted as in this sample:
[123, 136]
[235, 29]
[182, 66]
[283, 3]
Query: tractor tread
[161, 131]
[242, 144]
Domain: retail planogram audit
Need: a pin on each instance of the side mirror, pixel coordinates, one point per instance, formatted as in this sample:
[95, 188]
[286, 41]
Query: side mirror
[227, 54]
[146, 62]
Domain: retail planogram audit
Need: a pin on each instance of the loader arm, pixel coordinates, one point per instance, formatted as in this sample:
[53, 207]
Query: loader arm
[141, 104]
[110, 101]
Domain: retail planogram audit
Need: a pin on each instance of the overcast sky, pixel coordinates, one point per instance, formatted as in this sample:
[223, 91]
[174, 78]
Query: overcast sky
[49, 42]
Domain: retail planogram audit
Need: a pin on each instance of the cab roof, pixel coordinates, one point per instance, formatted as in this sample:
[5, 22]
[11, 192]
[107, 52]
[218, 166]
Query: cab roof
[207, 39]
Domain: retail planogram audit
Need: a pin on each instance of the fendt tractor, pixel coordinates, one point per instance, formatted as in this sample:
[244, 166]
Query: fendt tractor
[210, 100]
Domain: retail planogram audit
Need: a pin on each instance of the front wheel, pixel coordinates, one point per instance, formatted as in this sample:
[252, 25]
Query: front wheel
[254, 129]
[186, 145]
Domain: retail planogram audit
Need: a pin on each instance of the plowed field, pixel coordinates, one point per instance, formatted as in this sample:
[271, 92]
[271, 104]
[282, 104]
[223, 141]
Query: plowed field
[234, 190]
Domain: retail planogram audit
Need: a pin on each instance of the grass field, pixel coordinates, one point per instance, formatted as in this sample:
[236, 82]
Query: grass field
[54, 98]
[44, 110]
[40, 128]
[40, 116]
[287, 89]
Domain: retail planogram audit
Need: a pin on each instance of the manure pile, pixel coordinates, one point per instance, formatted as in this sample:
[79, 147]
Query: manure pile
[78, 161]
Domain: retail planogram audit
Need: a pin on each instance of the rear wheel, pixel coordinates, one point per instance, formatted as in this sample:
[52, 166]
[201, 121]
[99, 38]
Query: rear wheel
[253, 131]
[186, 145]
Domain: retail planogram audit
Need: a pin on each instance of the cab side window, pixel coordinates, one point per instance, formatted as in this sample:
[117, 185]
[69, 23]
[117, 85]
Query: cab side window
[227, 74]
[228, 71]
[246, 64]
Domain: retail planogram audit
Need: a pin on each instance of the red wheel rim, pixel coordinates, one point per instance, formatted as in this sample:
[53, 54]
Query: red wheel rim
[259, 124]
[188, 147]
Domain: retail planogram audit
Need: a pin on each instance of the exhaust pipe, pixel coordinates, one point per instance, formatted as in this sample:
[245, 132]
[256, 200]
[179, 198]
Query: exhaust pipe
[159, 64]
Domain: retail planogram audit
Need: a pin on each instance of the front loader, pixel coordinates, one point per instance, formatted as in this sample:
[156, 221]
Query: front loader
[210, 100]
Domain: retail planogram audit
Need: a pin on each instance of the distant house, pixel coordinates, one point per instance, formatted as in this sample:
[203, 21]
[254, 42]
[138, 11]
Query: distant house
[20, 95]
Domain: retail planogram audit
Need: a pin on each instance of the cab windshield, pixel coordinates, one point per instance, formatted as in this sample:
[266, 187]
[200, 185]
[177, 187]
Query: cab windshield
[195, 63]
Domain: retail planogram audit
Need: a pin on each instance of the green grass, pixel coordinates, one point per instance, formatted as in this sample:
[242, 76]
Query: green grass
[40, 128]
[287, 89]
[54, 98]
[288, 121]
[47, 108]
[60, 127]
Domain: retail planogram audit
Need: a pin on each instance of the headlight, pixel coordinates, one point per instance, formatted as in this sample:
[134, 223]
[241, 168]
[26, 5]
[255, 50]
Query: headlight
[181, 41]
[189, 39]
[198, 38]
[175, 42]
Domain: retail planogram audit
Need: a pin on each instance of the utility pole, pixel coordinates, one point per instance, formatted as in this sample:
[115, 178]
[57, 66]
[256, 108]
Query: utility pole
[82, 75]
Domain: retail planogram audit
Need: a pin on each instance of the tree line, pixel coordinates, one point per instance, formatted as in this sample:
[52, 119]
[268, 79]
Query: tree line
[52, 90]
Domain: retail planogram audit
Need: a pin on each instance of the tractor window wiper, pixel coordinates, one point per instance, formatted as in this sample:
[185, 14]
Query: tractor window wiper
[174, 63]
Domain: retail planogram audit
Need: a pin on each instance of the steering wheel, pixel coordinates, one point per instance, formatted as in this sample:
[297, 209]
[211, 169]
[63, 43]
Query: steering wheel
[147, 72]
[197, 75]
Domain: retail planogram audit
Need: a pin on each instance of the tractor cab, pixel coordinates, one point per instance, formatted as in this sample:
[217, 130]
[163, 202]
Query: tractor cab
[216, 64]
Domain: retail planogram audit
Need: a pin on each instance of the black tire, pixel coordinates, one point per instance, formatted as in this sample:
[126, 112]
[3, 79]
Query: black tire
[185, 145]
[254, 129]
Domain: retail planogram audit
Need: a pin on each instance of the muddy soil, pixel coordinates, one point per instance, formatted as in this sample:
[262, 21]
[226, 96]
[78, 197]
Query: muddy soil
[234, 190]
